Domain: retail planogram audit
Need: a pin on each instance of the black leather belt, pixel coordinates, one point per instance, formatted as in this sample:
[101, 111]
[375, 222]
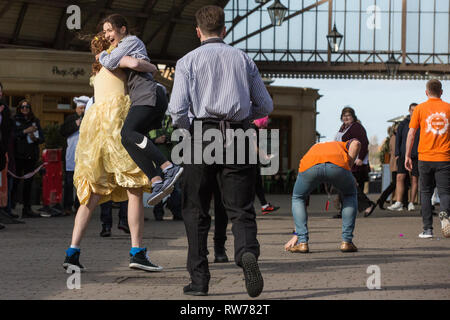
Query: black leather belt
[223, 125]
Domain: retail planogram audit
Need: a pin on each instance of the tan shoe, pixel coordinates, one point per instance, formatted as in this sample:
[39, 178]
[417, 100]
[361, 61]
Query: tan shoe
[301, 247]
[348, 247]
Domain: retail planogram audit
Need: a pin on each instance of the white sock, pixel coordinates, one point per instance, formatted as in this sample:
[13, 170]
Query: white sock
[168, 167]
[74, 247]
[265, 206]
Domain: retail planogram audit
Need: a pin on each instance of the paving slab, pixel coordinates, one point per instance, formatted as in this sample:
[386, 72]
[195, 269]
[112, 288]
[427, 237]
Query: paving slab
[409, 267]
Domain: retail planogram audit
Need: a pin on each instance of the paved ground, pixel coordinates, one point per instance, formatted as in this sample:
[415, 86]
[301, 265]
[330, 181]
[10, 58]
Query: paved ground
[411, 268]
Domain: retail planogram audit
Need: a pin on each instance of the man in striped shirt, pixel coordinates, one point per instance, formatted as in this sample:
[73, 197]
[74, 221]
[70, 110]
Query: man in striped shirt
[220, 87]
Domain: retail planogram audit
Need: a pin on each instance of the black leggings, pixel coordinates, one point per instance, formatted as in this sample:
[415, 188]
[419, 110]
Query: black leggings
[135, 139]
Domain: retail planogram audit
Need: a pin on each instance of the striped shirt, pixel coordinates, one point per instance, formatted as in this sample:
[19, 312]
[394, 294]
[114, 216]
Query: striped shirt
[217, 81]
[129, 46]
[141, 87]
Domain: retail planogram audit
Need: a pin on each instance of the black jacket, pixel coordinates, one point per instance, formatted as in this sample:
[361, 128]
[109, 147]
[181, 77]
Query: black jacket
[400, 139]
[5, 133]
[23, 149]
[70, 126]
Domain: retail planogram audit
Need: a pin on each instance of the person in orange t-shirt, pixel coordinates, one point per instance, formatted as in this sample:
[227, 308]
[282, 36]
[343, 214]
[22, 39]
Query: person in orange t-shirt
[327, 162]
[433, 118]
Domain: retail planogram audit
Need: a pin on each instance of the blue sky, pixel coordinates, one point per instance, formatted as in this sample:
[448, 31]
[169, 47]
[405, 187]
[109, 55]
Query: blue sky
[375, 101]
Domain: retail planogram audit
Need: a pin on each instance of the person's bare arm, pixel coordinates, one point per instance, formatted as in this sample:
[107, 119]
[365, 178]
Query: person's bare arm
[409, 145]
[353, 151]
[137, 64]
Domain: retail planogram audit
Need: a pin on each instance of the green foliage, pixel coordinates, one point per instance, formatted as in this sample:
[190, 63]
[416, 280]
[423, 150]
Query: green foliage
[53, 139]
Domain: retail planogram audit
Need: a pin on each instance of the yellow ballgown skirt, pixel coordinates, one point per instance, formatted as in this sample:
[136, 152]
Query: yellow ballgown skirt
[102, 165]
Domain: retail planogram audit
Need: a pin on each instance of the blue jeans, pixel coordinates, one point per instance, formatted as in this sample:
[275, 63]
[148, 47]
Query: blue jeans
[308, 180]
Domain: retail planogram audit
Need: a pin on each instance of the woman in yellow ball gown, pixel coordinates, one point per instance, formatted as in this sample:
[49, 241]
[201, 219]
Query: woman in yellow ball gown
[103, 169]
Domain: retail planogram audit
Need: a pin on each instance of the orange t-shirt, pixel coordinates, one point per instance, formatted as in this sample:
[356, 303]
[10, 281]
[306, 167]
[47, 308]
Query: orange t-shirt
[335, 152]
[433, 118]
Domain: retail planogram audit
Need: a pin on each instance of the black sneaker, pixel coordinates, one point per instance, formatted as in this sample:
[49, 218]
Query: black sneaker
[190, 291]
[141, 261]
[73, 260]
[106, 231]
[254, 282]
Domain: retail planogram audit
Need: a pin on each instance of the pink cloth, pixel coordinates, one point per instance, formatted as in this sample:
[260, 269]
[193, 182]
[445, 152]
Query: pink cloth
[262, 122]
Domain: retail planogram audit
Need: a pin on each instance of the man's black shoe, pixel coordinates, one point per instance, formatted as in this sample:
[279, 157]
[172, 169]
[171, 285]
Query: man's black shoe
[337, 216]
[220, 256]
[106, 231]
[28, 213]
[124, 227]
[254, 282]
[5, 218]
[188, 290]
[73, 261]
[141, 261]
[13, 215]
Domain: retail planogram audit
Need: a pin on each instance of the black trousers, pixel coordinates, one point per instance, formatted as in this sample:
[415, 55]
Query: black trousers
[24, 166]
[106, 213]
[220, 218]
[430, 172]
[69, 201]
[363, 201]
[237, 185]
[259, 187]
[173, 204]
[135, 139]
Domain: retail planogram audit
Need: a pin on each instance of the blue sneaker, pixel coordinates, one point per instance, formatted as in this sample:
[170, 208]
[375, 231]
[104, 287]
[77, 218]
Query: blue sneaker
[162, 190]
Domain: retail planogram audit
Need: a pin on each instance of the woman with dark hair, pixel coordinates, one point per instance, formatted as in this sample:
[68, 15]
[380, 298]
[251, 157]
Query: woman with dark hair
[103, 169]
[352, 129]
[28, 136]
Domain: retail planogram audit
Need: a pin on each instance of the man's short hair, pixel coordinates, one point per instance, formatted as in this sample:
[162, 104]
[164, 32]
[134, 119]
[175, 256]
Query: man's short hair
[210, 20]
[434, 87]
[412, 105]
